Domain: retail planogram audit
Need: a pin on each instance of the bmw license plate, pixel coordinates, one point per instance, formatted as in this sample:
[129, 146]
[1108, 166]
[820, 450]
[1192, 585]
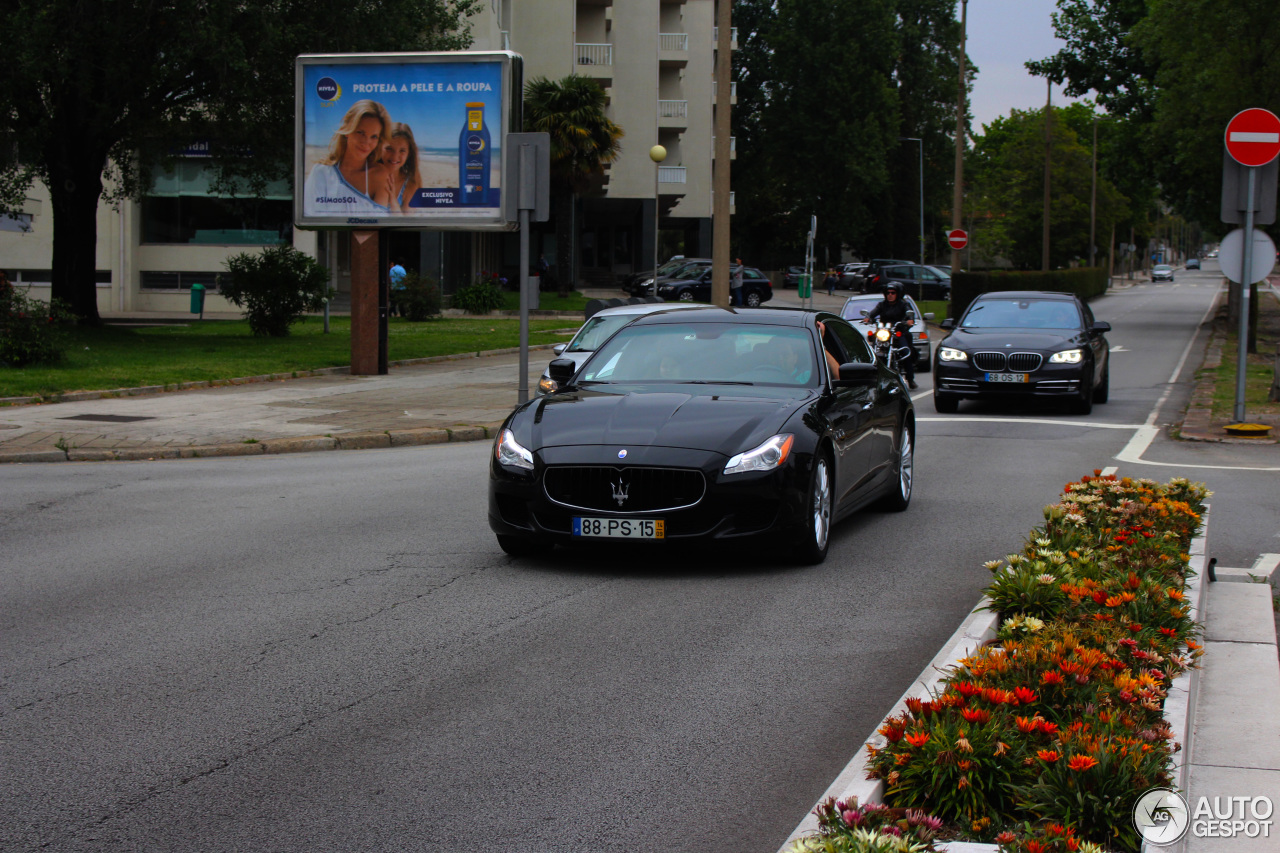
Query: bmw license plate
[619, 528]
[1006, 377]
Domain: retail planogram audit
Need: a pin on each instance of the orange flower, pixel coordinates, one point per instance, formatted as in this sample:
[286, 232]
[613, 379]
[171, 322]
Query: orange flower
[964, 764]
[1034, 846]
[1082, 762]
[1048, 755]
[893, 733]
[1051, 677]
[1025, 695]
[1047, 727]
[1055, 829]
[1026, 725]
[1006, 837]
[1114, 601]
[976, 715]
[918, 738]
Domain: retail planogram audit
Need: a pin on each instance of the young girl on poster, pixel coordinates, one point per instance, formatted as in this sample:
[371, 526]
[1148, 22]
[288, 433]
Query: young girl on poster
[349, 178]
[400, 159]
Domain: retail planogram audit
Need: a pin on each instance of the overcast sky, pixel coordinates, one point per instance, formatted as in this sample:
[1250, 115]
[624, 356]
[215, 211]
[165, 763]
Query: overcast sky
[1002, 35]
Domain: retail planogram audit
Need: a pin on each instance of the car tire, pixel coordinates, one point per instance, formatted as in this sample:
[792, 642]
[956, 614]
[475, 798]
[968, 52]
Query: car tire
[752, 299]
[898, 496]
[816, 538]
[685, 295]
[520, 546]
[945, 404]
[1103, 390]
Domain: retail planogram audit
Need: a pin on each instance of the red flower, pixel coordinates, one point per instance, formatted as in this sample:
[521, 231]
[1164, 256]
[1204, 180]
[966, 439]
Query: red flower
[1048, 755]
[1135, 627]
[1082, 762]
[1051, 677]
[1047, 727]
[1025, 695]
[1027, 725]
[976, 715]
[967, 688]
[918, 738]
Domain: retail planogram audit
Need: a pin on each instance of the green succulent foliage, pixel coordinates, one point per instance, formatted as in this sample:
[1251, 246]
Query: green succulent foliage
[275, 287]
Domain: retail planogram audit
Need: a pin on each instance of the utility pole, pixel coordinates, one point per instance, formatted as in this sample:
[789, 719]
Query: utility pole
[957, 199]
[1048, 141]
[720, 260]
[1093, 201]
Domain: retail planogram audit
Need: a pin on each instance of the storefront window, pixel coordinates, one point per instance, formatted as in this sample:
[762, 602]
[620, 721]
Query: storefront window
[182, 209]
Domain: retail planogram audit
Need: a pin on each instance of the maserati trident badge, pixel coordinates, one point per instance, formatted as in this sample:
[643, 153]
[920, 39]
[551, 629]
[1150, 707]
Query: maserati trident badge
[620, 489]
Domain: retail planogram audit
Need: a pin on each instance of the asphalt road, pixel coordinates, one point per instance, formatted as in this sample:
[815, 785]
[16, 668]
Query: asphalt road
[329, 652]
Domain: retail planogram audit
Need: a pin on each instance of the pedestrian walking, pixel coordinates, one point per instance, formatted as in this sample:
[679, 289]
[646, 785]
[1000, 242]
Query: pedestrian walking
[396, 274]
[735, 284]
[831, 281]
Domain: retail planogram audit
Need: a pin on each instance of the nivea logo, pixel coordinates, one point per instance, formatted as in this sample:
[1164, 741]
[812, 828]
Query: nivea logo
[327, 88]
[475, 144]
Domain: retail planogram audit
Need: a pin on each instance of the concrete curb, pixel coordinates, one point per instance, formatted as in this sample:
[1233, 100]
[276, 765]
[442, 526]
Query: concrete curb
[303, 444]
[973, 633]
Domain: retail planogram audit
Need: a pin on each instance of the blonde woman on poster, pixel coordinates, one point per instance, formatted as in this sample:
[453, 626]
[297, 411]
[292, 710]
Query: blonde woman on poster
[348, 180]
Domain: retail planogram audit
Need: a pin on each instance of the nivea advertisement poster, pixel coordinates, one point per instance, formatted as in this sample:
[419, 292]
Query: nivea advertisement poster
[408, 140]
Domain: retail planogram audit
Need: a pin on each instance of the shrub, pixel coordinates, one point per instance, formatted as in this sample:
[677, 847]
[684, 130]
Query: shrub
[275, 287]
[480, 296]
[419, 297]
[30, 330]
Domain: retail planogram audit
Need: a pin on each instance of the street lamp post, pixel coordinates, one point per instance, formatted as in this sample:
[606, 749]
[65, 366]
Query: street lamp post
[657, 154]
[921, 141]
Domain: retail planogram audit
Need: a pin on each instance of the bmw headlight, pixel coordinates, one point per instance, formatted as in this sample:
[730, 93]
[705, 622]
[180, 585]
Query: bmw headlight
[1067, 356]
[511, 453]
[949, 354]
[766, 457]
[648, 282]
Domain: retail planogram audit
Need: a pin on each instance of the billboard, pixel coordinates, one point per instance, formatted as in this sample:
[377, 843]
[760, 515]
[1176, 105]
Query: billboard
[403, 140]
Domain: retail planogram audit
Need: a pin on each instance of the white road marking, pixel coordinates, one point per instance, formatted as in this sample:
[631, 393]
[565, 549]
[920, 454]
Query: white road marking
[1014, 420]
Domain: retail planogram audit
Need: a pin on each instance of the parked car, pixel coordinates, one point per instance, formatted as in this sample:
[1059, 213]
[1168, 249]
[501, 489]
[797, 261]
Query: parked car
[1193, 263]
[1020, 344]
[1162, 272]
[693, 284]
[597, 329]
[922, 282]
[873, 268]
[852, 275]
[791, 276]
[638, 284]
[707, 425]
[855, 307]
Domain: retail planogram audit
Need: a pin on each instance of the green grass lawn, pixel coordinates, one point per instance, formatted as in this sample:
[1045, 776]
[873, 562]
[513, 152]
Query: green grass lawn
[131, 356]
[1259, 366]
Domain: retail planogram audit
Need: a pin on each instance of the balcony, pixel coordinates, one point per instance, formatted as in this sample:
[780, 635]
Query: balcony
[733, 92]
[673, 48]
[595, 61]
[733, 148]
[733, 37]
[673, 113]
[673, 175]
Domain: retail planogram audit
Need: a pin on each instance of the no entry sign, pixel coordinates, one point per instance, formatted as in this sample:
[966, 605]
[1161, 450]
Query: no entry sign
[1253, 137]
[958, 238]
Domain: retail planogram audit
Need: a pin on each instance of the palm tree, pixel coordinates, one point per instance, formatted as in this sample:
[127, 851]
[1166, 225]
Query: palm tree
[583, 140]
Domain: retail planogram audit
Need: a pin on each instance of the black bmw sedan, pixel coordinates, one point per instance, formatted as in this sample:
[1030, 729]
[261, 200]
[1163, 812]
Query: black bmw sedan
[1023, 344]
[706, 425]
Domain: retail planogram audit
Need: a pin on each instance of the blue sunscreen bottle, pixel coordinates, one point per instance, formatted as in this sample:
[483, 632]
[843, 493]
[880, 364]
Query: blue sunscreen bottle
[473, 158]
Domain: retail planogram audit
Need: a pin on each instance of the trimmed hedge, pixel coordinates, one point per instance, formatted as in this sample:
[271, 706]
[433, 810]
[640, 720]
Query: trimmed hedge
[1085, 282]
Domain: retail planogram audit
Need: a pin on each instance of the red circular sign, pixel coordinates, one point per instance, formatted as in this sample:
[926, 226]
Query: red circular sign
[1253, 137]
[958, 238]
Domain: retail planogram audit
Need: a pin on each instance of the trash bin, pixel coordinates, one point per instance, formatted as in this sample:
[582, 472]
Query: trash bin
[804, 286]
[197, 300]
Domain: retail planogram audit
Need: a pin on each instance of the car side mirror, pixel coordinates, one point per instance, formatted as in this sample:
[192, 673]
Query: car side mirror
[857, 373]
[928, 315]
[559, 348]
[1100, 326]
[561, 370]
[948, 323]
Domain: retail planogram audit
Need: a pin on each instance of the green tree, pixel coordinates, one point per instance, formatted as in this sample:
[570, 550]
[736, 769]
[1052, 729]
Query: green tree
[1007, 188]
[100, 89]
[583, 140]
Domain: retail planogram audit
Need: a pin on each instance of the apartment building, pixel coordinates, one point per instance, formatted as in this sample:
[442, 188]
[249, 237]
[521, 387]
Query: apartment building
[655, 60]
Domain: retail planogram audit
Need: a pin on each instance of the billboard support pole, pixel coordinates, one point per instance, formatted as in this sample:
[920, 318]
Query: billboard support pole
[364, 303]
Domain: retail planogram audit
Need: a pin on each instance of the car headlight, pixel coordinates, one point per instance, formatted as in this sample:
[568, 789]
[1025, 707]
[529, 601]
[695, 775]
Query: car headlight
[949, 354]
[547, 385]
[648, 282]
[766, 457]
[511, 453]
[1067, 356]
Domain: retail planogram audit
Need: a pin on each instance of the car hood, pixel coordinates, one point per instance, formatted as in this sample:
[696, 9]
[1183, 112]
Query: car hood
[722, 419]
[1011, 339]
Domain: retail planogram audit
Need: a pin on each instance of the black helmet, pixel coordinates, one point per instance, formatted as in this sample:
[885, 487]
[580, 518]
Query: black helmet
[893, 287]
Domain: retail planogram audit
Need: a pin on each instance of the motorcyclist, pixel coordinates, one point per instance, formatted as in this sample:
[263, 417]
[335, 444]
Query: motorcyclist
[893, 310]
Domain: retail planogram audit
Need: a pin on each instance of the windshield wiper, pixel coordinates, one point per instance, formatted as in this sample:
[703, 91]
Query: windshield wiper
[714, 382]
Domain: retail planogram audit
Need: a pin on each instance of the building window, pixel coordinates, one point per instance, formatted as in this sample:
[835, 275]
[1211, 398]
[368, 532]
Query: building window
[182, 209]
[178, 280]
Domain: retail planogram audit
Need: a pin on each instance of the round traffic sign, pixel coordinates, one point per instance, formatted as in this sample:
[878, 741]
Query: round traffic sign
[958, 238]
[1253, 137]
[1262, 257]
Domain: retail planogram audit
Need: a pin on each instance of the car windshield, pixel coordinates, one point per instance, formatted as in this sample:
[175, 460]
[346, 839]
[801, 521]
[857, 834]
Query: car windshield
[689, 271]
[671, 266]
[1021, 314]
[596, 331]
[705, 353]
[1162, 267]
[854, 307]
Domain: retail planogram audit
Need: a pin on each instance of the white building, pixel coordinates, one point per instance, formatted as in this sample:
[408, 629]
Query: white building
[655, 60]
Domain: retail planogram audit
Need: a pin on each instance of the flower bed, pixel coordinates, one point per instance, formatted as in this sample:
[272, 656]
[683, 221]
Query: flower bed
[1043, 739]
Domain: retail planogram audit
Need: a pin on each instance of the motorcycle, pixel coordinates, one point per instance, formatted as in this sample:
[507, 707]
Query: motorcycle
[892, 342]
